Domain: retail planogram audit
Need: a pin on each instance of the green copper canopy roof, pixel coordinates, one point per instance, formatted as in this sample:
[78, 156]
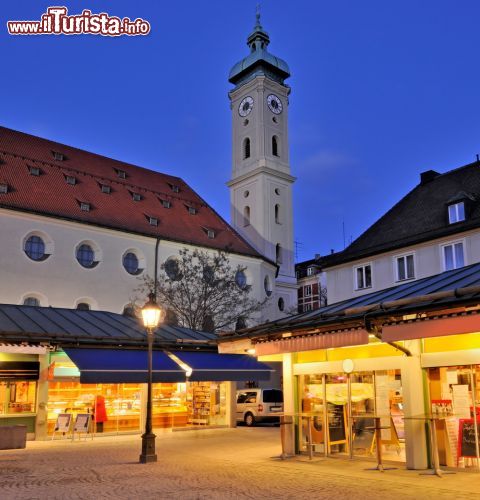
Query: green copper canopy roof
[259, 61]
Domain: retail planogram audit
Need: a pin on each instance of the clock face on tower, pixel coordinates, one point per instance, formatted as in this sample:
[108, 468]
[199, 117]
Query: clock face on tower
[275, 104]
[245, 106]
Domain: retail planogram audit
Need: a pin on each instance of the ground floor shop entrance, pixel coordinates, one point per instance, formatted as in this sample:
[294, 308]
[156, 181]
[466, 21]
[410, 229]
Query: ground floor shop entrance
[340, 408]
[454, 393]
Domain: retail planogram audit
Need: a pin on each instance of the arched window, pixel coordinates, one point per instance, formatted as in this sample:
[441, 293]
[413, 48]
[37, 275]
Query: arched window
[246, 216]
[275, 146]
[31, 301]
[278, 253]
[277, 213]
[83, 306]
[246, 148]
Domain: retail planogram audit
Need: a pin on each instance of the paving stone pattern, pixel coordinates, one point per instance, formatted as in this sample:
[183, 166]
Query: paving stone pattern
[208, 464]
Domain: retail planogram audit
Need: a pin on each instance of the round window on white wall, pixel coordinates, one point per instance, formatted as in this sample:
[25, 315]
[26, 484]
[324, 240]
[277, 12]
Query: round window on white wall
[87, 254]
[172, 269]
[133, 262]
[37, 246]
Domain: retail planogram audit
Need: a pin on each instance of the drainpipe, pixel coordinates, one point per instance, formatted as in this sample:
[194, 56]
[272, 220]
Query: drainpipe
[156, 269]
[374, 331]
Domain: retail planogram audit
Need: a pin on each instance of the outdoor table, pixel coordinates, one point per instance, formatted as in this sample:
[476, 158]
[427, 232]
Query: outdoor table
[378, 437]
[436, 470]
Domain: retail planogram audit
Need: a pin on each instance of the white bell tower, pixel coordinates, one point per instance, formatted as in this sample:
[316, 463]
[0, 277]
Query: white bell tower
[261, 184]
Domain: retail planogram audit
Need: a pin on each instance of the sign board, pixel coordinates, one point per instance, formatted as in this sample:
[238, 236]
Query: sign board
[336, 424]
[63, 422]
[82, 422]
[466, 438]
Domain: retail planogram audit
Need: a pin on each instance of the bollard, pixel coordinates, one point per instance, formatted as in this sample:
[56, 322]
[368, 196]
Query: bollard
[285, 422]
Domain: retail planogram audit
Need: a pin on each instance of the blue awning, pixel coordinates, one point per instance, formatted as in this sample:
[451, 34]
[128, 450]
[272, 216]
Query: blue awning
[116, 366]
[214, 367]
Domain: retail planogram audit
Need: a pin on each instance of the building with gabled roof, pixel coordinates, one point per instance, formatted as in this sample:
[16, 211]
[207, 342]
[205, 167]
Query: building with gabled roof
[434, 228]
[80, 228]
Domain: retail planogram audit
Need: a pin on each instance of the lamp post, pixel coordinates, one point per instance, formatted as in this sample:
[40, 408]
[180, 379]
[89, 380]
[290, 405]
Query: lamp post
[151, 315]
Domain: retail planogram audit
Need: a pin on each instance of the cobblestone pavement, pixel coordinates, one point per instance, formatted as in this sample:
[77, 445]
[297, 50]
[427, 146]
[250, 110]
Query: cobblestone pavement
[208, 464]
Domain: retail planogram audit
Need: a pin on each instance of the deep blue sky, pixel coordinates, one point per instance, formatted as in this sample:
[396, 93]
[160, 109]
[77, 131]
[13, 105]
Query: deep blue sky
[381, 90]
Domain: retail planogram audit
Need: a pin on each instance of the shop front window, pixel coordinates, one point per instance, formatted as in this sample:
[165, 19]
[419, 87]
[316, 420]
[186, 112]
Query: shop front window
[340, 410]
[454, 401]
[116, 407]
[17, 397]
[189, 404]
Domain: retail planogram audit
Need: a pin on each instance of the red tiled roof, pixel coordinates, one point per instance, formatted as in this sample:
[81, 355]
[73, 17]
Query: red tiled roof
[49, 194]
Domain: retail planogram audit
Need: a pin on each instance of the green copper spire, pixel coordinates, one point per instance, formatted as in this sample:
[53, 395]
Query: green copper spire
[259, 61]
[259, 38]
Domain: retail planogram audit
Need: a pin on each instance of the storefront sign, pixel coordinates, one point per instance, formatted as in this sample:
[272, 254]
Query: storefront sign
[19, 370]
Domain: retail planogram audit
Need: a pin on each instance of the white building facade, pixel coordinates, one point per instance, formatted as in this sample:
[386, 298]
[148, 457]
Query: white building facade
[261, 184]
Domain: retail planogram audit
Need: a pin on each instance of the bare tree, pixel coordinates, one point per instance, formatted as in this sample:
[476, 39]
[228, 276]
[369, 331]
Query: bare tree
[203, 291]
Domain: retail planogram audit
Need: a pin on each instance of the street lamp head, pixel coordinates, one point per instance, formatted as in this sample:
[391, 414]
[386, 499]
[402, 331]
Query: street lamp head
[151, 313]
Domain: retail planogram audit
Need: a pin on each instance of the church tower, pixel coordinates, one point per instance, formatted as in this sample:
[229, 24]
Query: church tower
[261, 184]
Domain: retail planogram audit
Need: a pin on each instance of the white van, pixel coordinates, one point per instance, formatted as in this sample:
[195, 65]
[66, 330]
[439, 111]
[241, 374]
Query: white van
[259, 405]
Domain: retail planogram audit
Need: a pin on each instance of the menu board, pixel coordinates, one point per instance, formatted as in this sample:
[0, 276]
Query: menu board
[82, 422]
[466, 437]
[336, 423]
[63, 422]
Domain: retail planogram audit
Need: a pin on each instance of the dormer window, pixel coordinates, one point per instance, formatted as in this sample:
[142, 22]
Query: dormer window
[71, 180]
[84, 206]
[121, 174]
[192, 210]
[174, 188]
[58, 156]
[105, 188]
[3, 188]
[456, 212]
[136, 196]
[310, 271]
[211, 233]
[153, 221]
[34, 171]
[166, 204]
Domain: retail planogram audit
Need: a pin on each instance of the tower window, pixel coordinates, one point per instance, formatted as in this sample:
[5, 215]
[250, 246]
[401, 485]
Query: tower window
[246, 216]
[278, 253]
[275, 146]
[246, 148]
[277, 214]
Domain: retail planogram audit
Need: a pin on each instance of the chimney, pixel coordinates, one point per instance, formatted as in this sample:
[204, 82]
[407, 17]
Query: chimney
[317, 256]
[332, 251]
[428, 176]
